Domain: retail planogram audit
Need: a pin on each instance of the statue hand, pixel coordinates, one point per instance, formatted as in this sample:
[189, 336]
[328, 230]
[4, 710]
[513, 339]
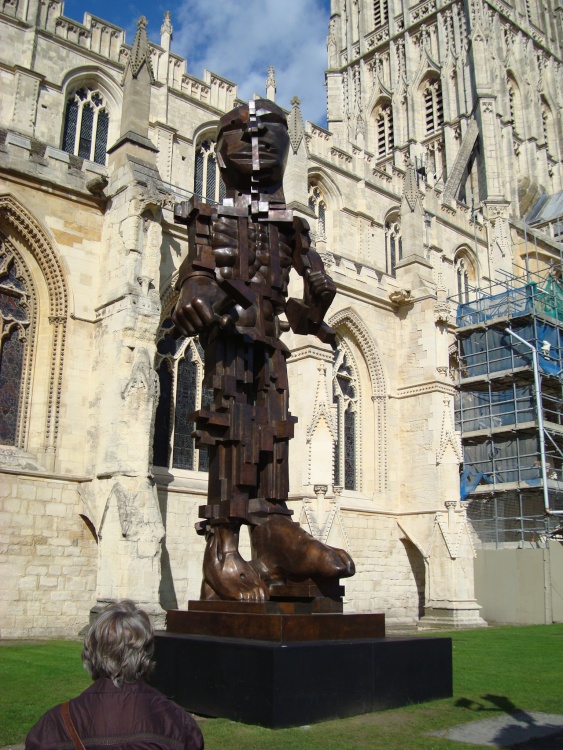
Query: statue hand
[322, 289]
[194, 311]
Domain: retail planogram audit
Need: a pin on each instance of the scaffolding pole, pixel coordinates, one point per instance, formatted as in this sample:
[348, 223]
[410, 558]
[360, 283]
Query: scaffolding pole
[537, 389]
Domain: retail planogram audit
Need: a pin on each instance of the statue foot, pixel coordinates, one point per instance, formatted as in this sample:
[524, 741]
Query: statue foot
[225, 574]
[283, 549]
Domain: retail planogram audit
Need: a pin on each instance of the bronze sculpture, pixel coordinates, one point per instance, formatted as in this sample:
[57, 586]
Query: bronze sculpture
[233, 288]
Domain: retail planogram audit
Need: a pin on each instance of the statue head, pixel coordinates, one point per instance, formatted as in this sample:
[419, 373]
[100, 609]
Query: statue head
[253, 140]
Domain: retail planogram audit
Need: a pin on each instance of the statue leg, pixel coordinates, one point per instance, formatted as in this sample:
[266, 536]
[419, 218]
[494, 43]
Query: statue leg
[281, 548]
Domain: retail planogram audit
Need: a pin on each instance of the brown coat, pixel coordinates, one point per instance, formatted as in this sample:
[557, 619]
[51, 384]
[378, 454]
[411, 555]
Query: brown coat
[133, 717]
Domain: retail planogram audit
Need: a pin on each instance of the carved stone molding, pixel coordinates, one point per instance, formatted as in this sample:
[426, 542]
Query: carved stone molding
[15, 218]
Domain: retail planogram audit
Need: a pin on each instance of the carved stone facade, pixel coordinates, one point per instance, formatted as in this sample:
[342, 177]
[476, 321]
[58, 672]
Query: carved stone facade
[444, 128]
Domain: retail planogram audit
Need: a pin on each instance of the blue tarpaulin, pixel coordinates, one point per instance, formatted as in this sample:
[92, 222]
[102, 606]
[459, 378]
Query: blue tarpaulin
[469, 480]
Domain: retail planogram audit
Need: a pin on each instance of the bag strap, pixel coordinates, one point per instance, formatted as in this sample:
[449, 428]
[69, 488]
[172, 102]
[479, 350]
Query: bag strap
[70, 728]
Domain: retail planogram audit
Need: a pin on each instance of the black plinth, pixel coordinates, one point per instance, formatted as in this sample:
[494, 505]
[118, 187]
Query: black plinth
[279, 685]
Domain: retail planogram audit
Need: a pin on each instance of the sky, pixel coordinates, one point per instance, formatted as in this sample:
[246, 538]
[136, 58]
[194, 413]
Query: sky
[237, 39]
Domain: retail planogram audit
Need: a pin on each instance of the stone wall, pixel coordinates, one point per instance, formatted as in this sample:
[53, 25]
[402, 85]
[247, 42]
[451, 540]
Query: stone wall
[48, 557]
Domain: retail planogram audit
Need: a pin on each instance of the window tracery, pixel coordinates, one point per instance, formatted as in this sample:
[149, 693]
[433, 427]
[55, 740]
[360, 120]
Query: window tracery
[345, 395]
[179, 367]
[16, 315]
[465, 276]
[317, 204]
[208, 182]
[86, 125]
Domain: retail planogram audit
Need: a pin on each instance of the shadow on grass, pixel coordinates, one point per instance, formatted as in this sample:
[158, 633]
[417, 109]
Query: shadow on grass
[524, 732]
[497, 703]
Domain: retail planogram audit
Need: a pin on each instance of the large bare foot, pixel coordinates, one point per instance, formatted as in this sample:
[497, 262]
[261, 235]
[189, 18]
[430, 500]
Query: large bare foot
[225, 574]
[283, 549]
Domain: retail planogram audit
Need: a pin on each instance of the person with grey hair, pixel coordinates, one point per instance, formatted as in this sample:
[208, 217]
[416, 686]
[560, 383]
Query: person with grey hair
[119, 710]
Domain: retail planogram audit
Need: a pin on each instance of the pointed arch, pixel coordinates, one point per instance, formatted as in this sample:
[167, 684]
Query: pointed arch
[90, 122]
[329, 188]
[21, 229]
[432, 103]
[381, 127]
[35, 237]
[349, 324]
[208, 182]
[380, 91]
[465, 264]
[393, 240]
[325, 200]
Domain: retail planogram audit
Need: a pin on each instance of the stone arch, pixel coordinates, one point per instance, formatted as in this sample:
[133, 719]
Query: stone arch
[17, 223]
[327, 185]
[350, 321]
[467, 272]
[94, 75]
[393, 239]
[381, 127]
[331, 200]
[431, 102]
[207, 178]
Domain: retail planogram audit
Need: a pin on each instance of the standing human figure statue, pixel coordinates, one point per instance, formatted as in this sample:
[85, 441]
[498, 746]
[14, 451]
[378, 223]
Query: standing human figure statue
[233, 288]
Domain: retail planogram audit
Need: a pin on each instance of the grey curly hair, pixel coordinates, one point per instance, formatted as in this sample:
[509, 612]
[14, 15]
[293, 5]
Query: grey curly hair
[119, 644]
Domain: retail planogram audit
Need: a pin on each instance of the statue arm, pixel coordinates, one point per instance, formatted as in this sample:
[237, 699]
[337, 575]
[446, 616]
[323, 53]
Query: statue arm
[319, 289]
[204, 295]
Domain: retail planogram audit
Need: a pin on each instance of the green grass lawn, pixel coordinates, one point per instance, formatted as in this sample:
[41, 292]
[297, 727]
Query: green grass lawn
[496, 670]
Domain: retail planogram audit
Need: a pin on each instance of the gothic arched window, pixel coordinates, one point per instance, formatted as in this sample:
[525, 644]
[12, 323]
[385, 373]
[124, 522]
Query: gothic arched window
[380, 12]
[393, 244]
[433, 106]
[345, 396]
[86, 125]
[180, 371]
[465, 276]
[317, 204]
[384, 126]
[208, 182]
[15, 327]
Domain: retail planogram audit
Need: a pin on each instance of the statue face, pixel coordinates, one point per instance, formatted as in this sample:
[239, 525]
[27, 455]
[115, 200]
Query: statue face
[235, 148]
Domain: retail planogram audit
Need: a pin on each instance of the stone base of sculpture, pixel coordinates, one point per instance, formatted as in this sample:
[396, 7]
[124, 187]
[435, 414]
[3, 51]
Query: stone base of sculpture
[301, 669]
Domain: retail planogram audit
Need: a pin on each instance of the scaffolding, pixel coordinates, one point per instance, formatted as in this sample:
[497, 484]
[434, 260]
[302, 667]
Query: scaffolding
[509, 407]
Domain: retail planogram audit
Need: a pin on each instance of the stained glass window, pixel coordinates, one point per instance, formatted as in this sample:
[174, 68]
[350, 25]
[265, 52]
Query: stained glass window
[208, 182]
[101, 137]
[14, 325]
[180, 370]
[345, 394]
[86, 125]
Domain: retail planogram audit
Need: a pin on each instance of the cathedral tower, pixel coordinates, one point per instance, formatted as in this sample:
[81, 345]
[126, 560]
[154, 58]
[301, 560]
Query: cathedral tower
[470, 91]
